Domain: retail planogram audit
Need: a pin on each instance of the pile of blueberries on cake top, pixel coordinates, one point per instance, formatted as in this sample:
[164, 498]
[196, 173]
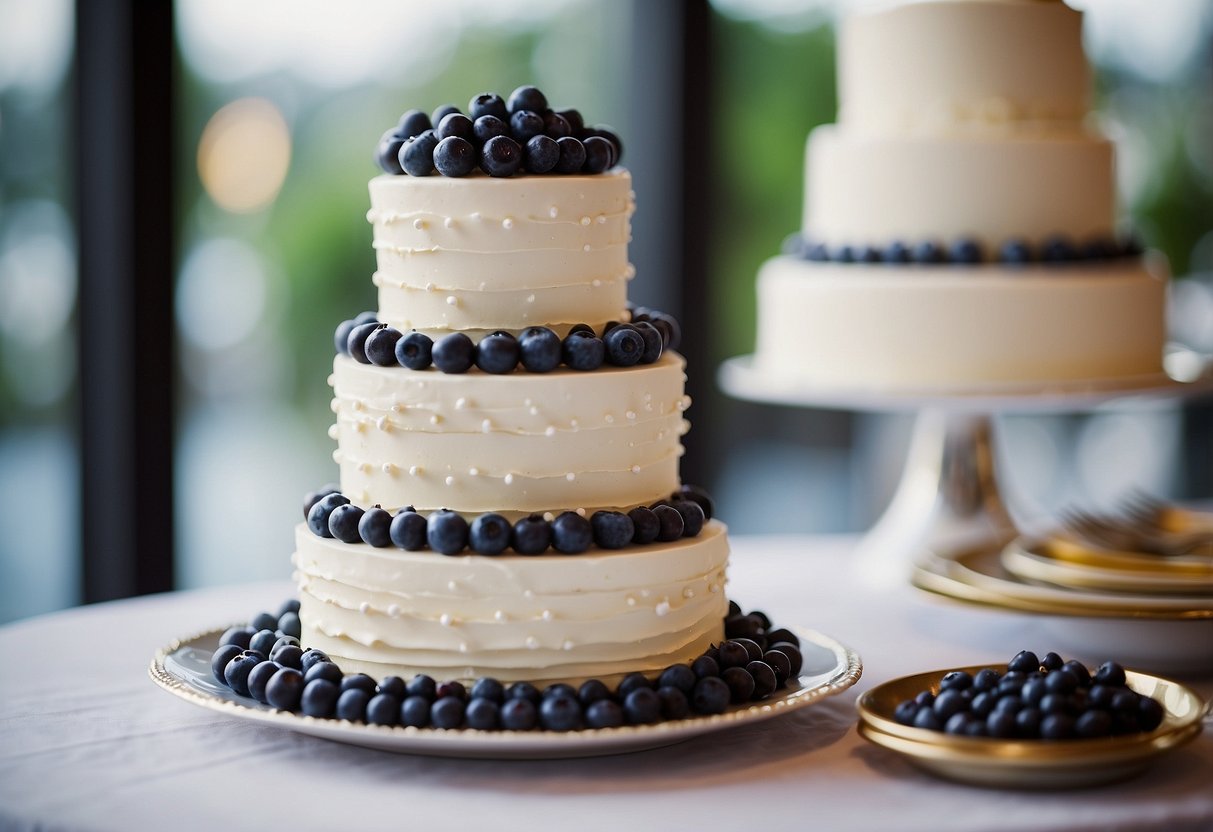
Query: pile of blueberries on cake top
[502, 137]
[264, 660]
[1034, 698]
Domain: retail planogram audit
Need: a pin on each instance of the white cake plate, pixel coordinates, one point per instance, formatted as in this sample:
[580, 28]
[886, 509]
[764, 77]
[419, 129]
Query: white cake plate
[949, 494]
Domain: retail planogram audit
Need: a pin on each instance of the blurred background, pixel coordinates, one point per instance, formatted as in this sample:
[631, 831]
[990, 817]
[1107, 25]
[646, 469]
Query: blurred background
[166, 319]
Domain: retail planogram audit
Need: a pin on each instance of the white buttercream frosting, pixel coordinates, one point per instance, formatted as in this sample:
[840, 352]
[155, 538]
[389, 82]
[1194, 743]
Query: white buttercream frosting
[934, 327]
[543, 618]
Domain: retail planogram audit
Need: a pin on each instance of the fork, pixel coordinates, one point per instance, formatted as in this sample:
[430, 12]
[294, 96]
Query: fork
[1126, 535]
[1149, 510]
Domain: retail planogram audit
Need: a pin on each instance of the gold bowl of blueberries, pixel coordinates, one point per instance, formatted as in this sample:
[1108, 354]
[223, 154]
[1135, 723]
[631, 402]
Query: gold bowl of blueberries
[1040, 723]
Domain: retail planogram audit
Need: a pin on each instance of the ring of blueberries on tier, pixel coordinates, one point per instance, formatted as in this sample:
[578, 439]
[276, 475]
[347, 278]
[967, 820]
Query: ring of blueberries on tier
[329, 513]
[640, 340]
[502, 138]
[1034, 698]
[966, 251]
[263, 660]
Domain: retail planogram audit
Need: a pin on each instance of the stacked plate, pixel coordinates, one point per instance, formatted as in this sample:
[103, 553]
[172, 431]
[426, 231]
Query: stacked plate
[1150, 610]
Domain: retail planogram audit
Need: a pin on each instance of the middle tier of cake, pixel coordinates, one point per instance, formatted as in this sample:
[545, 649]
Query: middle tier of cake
[514, 444]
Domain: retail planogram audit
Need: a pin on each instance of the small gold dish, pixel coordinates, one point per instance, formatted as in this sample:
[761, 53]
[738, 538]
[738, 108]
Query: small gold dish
[1028, 764]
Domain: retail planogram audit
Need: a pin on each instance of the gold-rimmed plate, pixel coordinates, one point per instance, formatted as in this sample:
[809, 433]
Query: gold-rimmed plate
[183, 669]
[1070, 566]
[1035, 764]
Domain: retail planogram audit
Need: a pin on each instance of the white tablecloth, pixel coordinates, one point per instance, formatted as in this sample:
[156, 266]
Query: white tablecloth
[88, 742]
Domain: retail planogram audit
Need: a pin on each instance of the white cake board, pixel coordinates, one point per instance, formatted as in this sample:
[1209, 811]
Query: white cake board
[949, 493]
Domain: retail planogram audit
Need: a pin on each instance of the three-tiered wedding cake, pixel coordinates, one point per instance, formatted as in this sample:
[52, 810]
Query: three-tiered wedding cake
[959, 226]
[479, 255]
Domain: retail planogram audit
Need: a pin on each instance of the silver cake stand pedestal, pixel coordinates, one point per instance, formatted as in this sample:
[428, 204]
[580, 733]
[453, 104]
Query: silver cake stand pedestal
[949, 493]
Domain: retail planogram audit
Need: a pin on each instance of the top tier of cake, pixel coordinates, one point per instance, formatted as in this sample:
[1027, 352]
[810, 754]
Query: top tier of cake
[943, 67]
[961, 119]
[477, 254]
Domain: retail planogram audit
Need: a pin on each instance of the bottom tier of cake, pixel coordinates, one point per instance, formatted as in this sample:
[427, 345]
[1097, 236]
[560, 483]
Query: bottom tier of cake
[545, 618]
[910, 327]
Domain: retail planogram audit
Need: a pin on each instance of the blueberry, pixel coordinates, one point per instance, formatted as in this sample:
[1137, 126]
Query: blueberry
[221, 657]
[343, 523]
[518, 715]
[319, 698]
[264, 621]
[259, 677]
[591, 691]
[341, 336]
[323, 670]
[560, 713]
[525, 125]
[415, 711]
[1080, 672]
[645, 523]
[284, 689]
[572, 155]
[289, 655]
[1024, 661]
[383, 709]
[1015, 252]
[318, 517]
[408, 530]
[488, 688]
[237, 636]
[501, 156]
[642, 706]
[711, 696]
[956, 680]
[607, 132]
[527, 98]
[539, 349]
[1093, 724]
[1057, 726]
[966, 251]
[571, 533]
[705, 666]
[387, 153]
[612, 529]
[671, 330]
[1150, 713]
[497, 353]
[374, 527]
[765, 680]
[896, 252]
[958, 723]
[573, 118]
[780, 663]
[413, 123]
[351, 704]
[599, 155]
[1027, 723]
[454, 126]
[905, 712]
[986, 679]
[792, 651]
[671, 523]
[1012, 704]
[631, 682]
[454, 353]
[583, 352]
[455, 156]
[586, 328]
[692, 517]
[540, 154]
[927, 718]
[949, 702]
[531, 535]
[489, 127]
[355, 345]
[1055, 703]
[417, 154]
[842, 254]
[308, 658]
[678, 676]
[983, 703]
[556, 126]
[816, 252]
[782, 634]
[263, 642]
[524, 690]
[423, 686]
[604, 713]
[740, 682]
[415, 351]
[1057, 249]
[489, 534]
[446, 532]
[753, 649]
[487, 104]
[924, 699]
[1124, 701]
[733, 654]
[927, 252]
[366, 317]
[653, 342]
[1110, 674]
[290, 627]
[624, 345]
[483, 714]
[1033, 691]
[359, 681]
[451, 688]
[1061, 681]
[442, 112]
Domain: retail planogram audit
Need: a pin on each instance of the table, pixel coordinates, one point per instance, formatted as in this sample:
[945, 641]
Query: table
[88, 742]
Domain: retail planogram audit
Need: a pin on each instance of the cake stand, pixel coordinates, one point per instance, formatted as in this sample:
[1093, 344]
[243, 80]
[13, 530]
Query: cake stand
[949, 493]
